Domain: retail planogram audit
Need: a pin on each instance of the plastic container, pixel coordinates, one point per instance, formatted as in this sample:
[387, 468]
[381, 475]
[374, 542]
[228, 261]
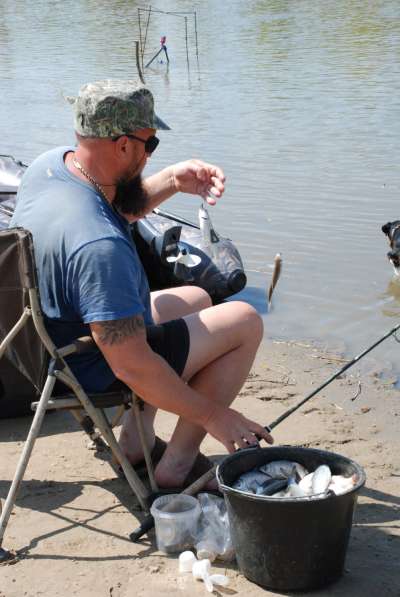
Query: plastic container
[176, 518]
[289, 544]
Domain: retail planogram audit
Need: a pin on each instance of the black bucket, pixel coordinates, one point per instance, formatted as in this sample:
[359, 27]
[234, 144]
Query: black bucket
[289, 544]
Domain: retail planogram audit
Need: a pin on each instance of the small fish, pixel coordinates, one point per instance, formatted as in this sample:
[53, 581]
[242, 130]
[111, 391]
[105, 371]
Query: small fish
[210, 237]
[306, 483]
[294, 490]
[272, 486]
[316, 483]
[283, 469]
[279, 494]
[340, 484]
[207, 230]
[251, 481]
[275, 276]
[321, 479]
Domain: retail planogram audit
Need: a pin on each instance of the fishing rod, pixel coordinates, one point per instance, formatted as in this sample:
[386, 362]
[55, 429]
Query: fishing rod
[148, 522]
[6, 210]
[290, 411]
[175, 218]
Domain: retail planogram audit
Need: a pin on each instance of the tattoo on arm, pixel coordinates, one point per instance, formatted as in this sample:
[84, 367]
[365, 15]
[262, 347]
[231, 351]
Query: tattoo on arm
[118, 330]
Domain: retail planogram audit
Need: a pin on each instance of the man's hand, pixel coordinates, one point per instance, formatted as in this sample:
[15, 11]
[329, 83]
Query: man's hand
[198, 178]
[234, 430]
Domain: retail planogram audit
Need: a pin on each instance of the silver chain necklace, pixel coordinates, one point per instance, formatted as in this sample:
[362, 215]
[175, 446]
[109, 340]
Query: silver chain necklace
[90, 178]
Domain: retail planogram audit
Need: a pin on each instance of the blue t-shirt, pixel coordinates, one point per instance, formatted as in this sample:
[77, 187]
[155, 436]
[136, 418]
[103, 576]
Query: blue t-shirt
[88, 267]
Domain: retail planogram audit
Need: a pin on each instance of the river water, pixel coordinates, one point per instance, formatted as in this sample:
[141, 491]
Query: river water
[298, 102]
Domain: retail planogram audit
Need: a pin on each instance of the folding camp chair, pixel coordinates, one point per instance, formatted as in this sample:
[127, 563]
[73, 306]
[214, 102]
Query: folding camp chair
[25, 342]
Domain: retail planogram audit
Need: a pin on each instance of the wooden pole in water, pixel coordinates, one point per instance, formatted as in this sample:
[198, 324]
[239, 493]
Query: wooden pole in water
[186, 39]
[140, 35]
[197, 45]
[138, 63]
[145, 35]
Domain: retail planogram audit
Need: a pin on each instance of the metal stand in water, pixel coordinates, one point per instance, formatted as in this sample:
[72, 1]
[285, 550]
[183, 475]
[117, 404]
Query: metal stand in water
[163, 48]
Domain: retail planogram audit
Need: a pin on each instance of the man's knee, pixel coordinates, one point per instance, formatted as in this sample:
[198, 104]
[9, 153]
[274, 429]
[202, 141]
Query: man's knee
[200, 298]
[251, 320]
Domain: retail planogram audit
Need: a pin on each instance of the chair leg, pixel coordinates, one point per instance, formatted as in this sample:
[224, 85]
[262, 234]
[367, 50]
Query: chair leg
[88, 427]
[103, 425]
[26, 454]
[133, 479]
[146, 451]
[118, 415]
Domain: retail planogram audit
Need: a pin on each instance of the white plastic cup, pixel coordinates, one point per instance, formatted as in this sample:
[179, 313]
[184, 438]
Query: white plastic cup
[175, 519]
[201, 569]
[186, 561]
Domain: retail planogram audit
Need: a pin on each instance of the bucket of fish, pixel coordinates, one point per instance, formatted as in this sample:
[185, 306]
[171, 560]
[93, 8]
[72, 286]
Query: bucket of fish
[290, 512]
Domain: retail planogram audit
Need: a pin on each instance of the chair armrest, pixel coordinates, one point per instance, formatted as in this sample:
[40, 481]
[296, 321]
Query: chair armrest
[80, 345]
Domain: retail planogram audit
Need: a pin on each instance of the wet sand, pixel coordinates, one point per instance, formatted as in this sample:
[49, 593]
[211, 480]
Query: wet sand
[72, 523]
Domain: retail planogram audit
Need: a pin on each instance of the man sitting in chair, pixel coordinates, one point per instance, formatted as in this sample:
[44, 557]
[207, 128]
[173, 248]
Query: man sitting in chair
[172, 347]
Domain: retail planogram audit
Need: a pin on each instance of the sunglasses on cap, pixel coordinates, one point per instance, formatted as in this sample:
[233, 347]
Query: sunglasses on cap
[150, 143]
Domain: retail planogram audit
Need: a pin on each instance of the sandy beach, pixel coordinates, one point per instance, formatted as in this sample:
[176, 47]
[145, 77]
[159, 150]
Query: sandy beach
[71, 526]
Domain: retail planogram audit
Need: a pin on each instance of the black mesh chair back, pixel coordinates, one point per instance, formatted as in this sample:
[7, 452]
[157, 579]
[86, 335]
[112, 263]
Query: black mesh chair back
[17, 275]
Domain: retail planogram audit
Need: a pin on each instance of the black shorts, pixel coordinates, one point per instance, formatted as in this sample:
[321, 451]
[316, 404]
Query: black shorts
[171, 341]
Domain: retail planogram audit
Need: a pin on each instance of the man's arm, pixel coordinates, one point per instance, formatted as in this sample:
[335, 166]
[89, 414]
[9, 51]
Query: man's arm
[124, 346]
[159, 187]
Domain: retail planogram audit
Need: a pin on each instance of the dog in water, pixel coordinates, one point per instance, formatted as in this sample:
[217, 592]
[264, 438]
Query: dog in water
[392, 231]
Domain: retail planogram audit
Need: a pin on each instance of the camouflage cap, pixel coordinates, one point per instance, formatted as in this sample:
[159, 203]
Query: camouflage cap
[114, 107]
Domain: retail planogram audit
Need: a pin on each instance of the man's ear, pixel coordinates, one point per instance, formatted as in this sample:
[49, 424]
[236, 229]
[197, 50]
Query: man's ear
[121, 145]
[386, 228]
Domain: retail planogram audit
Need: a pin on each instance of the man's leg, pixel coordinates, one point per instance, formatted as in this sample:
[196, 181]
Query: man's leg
[223, 343]
[167, 304]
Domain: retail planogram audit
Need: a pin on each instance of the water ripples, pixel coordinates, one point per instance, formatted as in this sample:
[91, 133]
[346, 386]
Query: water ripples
[297, 101]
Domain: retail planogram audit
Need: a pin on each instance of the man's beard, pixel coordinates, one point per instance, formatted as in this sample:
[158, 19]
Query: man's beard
[130, 196]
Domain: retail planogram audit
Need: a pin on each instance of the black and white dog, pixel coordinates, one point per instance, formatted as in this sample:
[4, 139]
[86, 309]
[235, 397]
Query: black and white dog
[392, 231]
